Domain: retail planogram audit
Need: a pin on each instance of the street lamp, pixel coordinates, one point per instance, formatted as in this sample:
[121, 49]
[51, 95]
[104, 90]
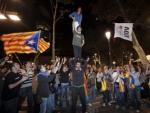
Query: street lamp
[2, 17]
[14, 17]
[108, 35]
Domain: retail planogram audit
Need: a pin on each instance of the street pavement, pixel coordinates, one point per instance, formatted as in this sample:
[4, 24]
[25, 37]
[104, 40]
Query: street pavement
[97, 108]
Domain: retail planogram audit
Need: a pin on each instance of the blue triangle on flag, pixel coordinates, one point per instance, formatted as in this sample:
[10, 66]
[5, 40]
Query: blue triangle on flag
[33, 41]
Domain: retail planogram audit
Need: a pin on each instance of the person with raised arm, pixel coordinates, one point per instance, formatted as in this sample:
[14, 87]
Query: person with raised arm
[78, 85]
[76, 17]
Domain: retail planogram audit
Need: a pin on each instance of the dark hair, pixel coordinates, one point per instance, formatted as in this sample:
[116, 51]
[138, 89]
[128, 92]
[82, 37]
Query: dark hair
[135, 68]
[78, 61]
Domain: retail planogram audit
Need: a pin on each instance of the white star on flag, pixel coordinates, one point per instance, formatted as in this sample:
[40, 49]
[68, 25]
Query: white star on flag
[31, 42]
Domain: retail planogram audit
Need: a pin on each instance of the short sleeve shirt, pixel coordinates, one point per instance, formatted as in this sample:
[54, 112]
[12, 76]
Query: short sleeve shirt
[8, 93]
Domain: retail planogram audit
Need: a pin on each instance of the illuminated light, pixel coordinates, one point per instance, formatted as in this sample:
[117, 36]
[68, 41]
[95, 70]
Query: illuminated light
[108, 35]
[2, 17]
[14, 17]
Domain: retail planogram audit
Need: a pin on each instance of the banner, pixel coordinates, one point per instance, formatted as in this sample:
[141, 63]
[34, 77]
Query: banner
[24, 42]
[124, 31]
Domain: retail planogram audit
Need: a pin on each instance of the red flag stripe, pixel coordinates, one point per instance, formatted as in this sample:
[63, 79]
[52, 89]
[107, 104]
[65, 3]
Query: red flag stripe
[43, 45]
[17, 35]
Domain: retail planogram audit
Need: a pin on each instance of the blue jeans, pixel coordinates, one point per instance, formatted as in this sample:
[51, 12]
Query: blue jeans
[134, 96]
[121, 101]
[92, 93]
[77, 51]
[116, 92]
[48, 104]
[64, 93]
[106, 96]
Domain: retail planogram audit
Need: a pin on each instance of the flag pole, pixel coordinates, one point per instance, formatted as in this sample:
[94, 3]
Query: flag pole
[36, 56]
[18, 59]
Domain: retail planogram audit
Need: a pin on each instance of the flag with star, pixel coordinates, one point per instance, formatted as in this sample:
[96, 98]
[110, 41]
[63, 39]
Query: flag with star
[24, 42]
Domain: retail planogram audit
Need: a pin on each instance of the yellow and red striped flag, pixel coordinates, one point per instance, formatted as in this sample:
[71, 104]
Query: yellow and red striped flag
[43, 45]
[24, 42]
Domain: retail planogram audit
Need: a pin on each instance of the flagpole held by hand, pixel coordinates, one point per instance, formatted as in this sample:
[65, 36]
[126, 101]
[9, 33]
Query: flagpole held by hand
[36, 57]
[18, 59]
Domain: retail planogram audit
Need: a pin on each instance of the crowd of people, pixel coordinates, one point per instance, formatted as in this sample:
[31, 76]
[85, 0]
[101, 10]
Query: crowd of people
[61, 83]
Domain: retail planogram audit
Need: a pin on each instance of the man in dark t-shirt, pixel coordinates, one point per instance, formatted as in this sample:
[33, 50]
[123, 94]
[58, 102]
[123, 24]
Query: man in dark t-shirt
[8, 93]
[65, 80]
[78, 77]
[3, 73]
[11, 88]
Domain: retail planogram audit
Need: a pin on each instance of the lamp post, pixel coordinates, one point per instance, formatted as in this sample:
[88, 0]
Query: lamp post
[108, 35]
[2, 17]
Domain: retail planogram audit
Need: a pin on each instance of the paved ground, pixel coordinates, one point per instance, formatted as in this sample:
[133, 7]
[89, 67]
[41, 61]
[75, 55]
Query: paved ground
[97, 108]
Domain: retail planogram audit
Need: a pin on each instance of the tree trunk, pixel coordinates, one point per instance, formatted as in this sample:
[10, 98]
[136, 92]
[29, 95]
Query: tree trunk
[53, 42]
[54, 35]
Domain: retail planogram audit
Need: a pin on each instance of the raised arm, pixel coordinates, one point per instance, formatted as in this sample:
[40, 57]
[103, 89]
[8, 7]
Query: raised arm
[84, 66]
[128, 69]
[147, 70]
[72, 63]
[72, 16]
[62, 62]
[3, 60]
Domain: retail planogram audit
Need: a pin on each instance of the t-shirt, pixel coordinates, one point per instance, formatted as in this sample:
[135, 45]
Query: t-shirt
[99, 77]
[115, 77]
[78, 17]
[64, 77]
[77, 39]
[136, 76]
[28, 82]
[77, 77]
[8, 93]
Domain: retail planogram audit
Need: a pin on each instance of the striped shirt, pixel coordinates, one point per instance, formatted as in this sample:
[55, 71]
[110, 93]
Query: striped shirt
[28, 82]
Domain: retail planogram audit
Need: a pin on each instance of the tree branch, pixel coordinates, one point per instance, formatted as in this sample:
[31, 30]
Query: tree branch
[58, 18]
[52, 7]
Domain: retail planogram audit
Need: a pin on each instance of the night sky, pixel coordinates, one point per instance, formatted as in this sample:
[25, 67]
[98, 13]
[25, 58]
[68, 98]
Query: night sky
[98, 16]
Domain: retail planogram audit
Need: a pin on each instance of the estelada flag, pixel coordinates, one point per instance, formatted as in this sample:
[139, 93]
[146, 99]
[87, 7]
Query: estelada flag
[24, 42]
[43, 45]
[85, 85]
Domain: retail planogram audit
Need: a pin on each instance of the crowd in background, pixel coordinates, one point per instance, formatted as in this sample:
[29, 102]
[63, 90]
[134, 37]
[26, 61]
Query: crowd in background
[60, 83]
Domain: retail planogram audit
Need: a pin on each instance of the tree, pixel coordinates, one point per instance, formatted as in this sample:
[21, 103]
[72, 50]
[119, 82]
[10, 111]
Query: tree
[54, 10]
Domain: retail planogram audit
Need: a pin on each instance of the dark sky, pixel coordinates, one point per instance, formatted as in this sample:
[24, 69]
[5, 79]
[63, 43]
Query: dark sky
[98, 16]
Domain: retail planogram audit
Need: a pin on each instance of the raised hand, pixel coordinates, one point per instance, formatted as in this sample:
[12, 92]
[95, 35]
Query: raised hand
[57, 59]
[22, 71]
[87, 59]
[6, 58]
[64, 60]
